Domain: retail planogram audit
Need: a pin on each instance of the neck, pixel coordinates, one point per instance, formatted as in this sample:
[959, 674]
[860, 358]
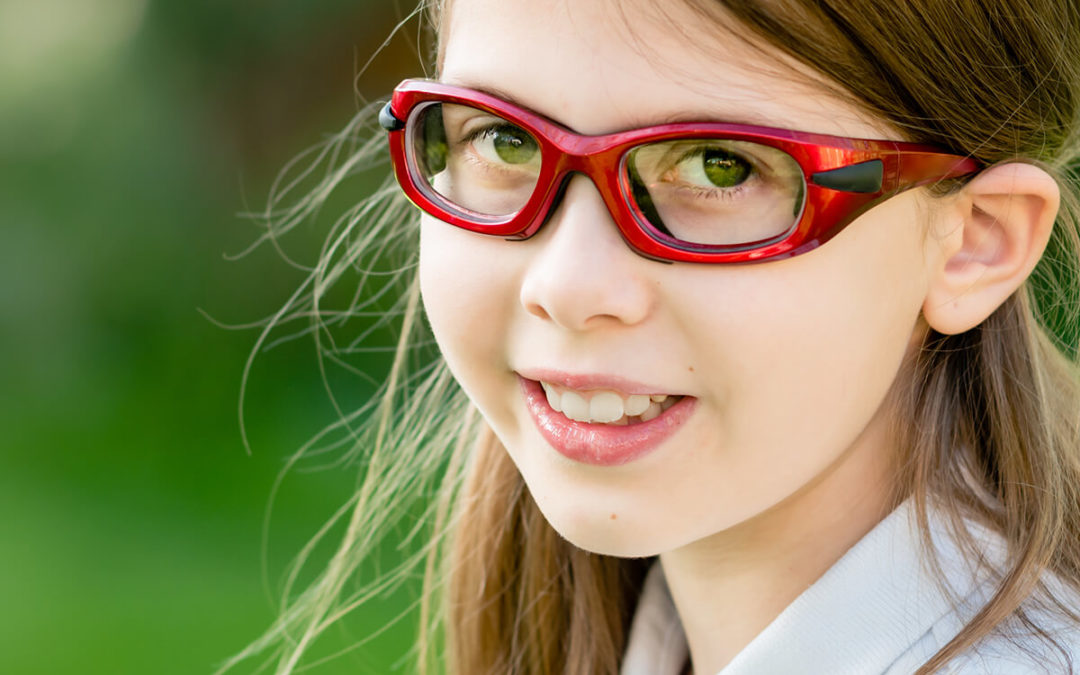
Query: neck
[728, 587]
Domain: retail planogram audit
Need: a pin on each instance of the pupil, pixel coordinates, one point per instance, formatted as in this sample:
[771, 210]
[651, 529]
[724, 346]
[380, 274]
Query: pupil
[724, 169]
[513, 145]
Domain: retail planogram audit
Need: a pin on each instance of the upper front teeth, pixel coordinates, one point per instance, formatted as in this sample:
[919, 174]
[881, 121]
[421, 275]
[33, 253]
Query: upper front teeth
[603, 406]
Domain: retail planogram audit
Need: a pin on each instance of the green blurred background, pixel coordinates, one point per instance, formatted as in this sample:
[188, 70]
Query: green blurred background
[132, 133]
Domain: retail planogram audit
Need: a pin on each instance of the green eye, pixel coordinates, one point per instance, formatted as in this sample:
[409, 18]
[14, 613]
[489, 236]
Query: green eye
[724, 169]
[513, 145]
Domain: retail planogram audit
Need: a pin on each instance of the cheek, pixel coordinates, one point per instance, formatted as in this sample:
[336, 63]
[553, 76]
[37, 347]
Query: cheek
[830, 330]
[468, 298]
[819, 342]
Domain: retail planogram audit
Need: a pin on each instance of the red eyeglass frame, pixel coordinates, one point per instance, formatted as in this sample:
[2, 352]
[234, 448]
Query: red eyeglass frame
[844, 177]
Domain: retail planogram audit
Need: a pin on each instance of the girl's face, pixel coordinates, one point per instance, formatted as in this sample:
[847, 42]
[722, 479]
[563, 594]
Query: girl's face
[784, 366]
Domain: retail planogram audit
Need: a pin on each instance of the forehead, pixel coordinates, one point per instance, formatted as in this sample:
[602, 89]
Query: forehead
[599, 66]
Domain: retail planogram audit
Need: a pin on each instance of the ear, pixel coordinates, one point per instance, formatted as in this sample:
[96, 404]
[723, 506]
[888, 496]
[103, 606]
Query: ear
[996, 229]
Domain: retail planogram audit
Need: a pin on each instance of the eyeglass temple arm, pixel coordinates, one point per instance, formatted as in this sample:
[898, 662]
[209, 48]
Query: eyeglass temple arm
[905, 170]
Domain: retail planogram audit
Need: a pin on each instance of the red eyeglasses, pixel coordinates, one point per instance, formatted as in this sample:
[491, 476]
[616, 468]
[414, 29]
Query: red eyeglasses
[706, 193]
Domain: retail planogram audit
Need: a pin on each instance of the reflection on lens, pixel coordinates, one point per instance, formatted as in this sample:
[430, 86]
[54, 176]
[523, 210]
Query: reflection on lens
[717, 192]
[474, 160]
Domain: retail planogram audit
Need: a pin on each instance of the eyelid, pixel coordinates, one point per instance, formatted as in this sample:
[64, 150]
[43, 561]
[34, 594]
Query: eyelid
[480, 121]
[458, 119]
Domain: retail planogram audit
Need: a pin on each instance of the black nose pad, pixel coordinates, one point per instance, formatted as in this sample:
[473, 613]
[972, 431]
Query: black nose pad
[560, 192]
[644, 200]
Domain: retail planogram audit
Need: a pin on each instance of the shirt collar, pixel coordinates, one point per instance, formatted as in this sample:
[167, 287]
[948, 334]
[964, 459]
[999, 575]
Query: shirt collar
[859, 617]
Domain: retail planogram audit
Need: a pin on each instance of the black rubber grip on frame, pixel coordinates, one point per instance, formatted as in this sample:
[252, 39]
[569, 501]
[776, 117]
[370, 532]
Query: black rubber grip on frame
[864, 177]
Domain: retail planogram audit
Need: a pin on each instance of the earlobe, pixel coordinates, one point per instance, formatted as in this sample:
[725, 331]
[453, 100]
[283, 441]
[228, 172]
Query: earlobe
[1005, 216]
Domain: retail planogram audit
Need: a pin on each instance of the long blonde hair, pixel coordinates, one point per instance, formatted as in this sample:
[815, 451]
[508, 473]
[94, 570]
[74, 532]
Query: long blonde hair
[988, 424]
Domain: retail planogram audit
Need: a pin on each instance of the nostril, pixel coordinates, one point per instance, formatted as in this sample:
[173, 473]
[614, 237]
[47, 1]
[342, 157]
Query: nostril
[535, 309]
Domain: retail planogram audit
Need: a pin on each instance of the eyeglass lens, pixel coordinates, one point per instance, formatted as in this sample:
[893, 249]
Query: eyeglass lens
[473, 160]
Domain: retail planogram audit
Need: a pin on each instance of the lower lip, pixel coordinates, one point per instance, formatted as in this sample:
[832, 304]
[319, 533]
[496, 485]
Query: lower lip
[602, 444]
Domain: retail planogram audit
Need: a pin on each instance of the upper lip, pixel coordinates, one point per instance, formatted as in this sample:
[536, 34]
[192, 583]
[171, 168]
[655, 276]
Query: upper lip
[587, 381]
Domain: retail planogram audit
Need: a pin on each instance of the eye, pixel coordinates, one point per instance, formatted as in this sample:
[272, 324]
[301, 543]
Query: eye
[713, 167]
[507, 144]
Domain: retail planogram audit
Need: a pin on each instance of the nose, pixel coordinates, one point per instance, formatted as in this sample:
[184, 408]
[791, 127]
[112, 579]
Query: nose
[583, 275]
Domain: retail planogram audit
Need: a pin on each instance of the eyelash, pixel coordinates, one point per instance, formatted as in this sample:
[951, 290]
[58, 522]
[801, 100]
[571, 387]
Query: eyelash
[721, 194]
[477, 133]
[472, 157]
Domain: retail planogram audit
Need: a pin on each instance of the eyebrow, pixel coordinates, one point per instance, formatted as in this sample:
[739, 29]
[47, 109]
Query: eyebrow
[744, 117]
[500, 94]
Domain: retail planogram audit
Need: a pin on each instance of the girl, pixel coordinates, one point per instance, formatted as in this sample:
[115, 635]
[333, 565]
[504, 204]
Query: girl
[734, 390]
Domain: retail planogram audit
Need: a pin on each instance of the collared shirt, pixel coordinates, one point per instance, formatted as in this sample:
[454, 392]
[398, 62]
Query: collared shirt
[877, 610]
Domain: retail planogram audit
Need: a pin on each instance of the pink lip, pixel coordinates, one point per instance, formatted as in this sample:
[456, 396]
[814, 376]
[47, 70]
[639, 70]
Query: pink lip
[586, 382]
[602, 444]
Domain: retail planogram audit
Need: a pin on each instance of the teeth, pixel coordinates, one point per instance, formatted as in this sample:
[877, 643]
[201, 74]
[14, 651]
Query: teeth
[554, 400]
[651, 412]
[606, 407]
[637, 404]
[575, 406]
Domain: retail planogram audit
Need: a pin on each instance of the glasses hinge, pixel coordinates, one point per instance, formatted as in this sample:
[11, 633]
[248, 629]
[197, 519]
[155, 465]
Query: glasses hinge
[388, 121]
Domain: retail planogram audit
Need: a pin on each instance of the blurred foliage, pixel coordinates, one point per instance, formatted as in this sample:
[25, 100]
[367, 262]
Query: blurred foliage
[131, 133]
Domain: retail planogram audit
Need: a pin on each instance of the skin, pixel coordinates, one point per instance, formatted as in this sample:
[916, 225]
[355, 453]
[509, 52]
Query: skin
[787, 460]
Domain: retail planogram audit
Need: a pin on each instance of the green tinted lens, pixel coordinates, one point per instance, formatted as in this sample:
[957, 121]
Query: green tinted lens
[716, 192]
[473, 160]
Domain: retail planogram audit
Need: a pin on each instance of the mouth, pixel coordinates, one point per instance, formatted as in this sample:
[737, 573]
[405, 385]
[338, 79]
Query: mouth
[606, 425]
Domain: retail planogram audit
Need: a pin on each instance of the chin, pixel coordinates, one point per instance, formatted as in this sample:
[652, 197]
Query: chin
[616, 547]
[619, 537]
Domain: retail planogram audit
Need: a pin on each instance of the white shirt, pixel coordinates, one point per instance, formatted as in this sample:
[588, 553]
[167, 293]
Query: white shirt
[875, 611]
